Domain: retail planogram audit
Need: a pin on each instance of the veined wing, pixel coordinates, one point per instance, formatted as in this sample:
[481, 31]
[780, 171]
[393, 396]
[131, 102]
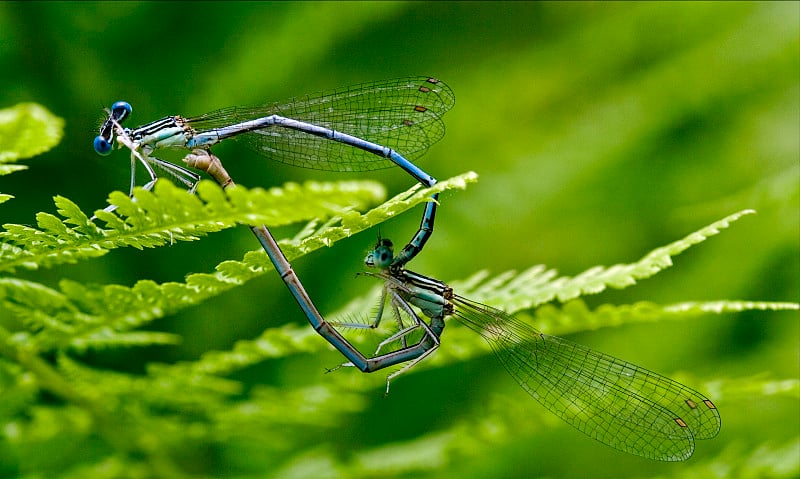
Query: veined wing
[618, 403]
[402, 114]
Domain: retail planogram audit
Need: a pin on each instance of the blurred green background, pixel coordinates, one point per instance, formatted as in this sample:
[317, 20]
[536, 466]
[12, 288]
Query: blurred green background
[600, 131]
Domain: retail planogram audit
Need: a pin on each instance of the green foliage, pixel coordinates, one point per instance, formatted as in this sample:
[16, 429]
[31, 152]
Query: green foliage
[26, 130]
[600, 130]
[155, 424]
[537, 285]
[148, 413]
[167, 215]
[81, 317]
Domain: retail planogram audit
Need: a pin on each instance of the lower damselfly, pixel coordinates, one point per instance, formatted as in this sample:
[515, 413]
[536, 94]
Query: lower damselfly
[620, 404]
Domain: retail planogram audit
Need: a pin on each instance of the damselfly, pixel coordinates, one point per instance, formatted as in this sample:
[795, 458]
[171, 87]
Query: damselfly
[618, 403]
[364, 127]
[204, 161]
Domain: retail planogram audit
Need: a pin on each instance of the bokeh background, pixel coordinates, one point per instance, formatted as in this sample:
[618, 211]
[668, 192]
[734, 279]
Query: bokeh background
[599, 130]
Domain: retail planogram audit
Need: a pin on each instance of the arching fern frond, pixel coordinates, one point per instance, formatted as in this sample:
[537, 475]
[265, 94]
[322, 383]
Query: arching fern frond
[538, 285]
[516, 292]
[568, 318]
[508, 291]
[83, 316]
[575, 316]
[170, 214]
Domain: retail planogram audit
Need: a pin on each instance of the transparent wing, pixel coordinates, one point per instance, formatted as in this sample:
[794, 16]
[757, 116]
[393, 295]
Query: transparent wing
[618, 403]
[403, 114]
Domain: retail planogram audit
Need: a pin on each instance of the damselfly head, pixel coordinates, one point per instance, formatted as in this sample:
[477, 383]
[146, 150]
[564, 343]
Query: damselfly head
[105, 140]
[382, 256]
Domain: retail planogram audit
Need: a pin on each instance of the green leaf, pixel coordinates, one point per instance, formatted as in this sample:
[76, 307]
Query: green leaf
[26, 130]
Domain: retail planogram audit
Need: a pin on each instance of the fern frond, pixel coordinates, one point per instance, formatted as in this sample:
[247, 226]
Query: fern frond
[352, 222]
[510, 291]
[759, 385]
[575, 316]
[8, 169]
[170, 214]
[203, 400]
[497, 424]
[272, 343]
[131, 307]
[321, 406]
[124, 309]
[109, 338]
[81, 316]
[538, 285]
[54, 319]
[461, 343]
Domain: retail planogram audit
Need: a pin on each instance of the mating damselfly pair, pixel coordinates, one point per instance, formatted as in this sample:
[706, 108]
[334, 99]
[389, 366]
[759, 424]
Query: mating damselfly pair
[378, 125]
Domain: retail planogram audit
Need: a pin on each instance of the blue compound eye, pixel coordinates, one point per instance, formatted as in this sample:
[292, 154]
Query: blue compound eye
[102, 146]
[120, 110]
[104, 142]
